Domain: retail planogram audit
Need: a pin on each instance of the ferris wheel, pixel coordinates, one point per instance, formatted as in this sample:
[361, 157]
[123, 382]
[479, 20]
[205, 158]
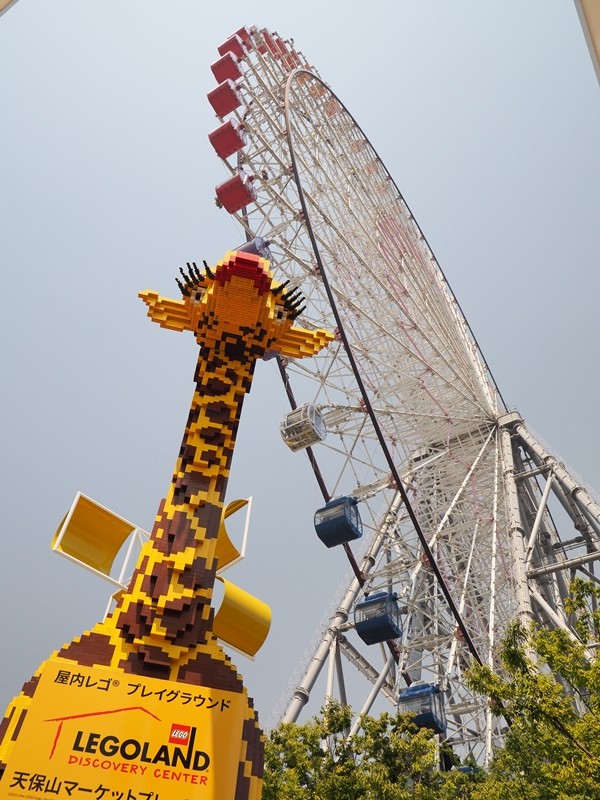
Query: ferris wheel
[455, 518]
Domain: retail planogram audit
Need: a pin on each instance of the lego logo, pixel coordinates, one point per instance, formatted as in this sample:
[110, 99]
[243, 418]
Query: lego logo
[179, 734]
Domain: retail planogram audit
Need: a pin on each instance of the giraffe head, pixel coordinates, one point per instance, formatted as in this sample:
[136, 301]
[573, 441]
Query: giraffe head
[238, 310]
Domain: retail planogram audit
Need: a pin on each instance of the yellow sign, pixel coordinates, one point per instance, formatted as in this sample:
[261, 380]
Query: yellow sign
[100, 734]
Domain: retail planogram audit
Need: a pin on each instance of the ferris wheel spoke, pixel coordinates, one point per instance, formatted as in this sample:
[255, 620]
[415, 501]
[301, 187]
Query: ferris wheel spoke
[435, 356]
[435, 353]
[381, 327]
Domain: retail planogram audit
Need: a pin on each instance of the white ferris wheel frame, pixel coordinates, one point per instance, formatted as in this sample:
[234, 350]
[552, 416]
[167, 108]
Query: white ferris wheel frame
[471, 519]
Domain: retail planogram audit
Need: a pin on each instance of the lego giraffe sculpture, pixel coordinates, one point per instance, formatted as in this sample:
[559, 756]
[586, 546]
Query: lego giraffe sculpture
[161, 627]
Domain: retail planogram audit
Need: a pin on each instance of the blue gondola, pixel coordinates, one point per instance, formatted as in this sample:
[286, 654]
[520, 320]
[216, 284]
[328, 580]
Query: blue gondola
[426, 702]
[377, 618]
[338, 522]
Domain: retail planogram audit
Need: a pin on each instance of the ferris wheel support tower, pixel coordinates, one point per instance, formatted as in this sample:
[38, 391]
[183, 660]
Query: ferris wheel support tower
[470, 522]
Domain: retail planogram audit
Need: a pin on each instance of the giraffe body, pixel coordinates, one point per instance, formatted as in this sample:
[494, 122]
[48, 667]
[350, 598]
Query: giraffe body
[161, 628]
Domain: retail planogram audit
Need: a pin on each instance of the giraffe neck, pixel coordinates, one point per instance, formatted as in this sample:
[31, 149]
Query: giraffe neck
[166, 612]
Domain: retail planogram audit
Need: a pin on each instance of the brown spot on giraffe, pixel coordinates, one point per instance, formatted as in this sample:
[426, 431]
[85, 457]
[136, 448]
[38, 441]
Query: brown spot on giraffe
[218, 411]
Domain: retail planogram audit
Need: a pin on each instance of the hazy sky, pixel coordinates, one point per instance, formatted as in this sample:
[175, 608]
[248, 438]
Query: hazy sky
[487, 114]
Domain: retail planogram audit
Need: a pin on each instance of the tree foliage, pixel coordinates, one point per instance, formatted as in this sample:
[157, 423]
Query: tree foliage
[549, 693]
[389, 759]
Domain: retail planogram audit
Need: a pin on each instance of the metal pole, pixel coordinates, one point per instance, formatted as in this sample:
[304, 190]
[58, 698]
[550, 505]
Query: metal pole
[579, 494]
[306, 684]
[538, 519]
[515, 528]
[372, 696]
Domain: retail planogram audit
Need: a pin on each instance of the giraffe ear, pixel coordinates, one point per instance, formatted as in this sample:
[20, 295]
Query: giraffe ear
[300, 343]
[172, 314]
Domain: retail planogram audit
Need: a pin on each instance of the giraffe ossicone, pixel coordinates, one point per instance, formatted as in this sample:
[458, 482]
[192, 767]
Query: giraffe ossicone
[161, 628]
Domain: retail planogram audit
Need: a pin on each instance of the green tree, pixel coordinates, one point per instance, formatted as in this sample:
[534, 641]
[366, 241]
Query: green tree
[549, 692]
[550, 695]
[389, 759]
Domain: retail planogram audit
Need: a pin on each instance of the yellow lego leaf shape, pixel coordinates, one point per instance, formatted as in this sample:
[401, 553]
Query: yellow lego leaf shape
[242, 621]
[226, 552]
[300, 343]
[171, 314]
[91, 535]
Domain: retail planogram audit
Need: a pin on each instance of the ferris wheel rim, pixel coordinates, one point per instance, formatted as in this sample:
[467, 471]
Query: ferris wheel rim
[357, 374]
[290, 79]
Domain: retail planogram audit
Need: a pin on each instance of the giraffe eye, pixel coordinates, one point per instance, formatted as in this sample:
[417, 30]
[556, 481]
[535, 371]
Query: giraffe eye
[280, 313]
[197, 296]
